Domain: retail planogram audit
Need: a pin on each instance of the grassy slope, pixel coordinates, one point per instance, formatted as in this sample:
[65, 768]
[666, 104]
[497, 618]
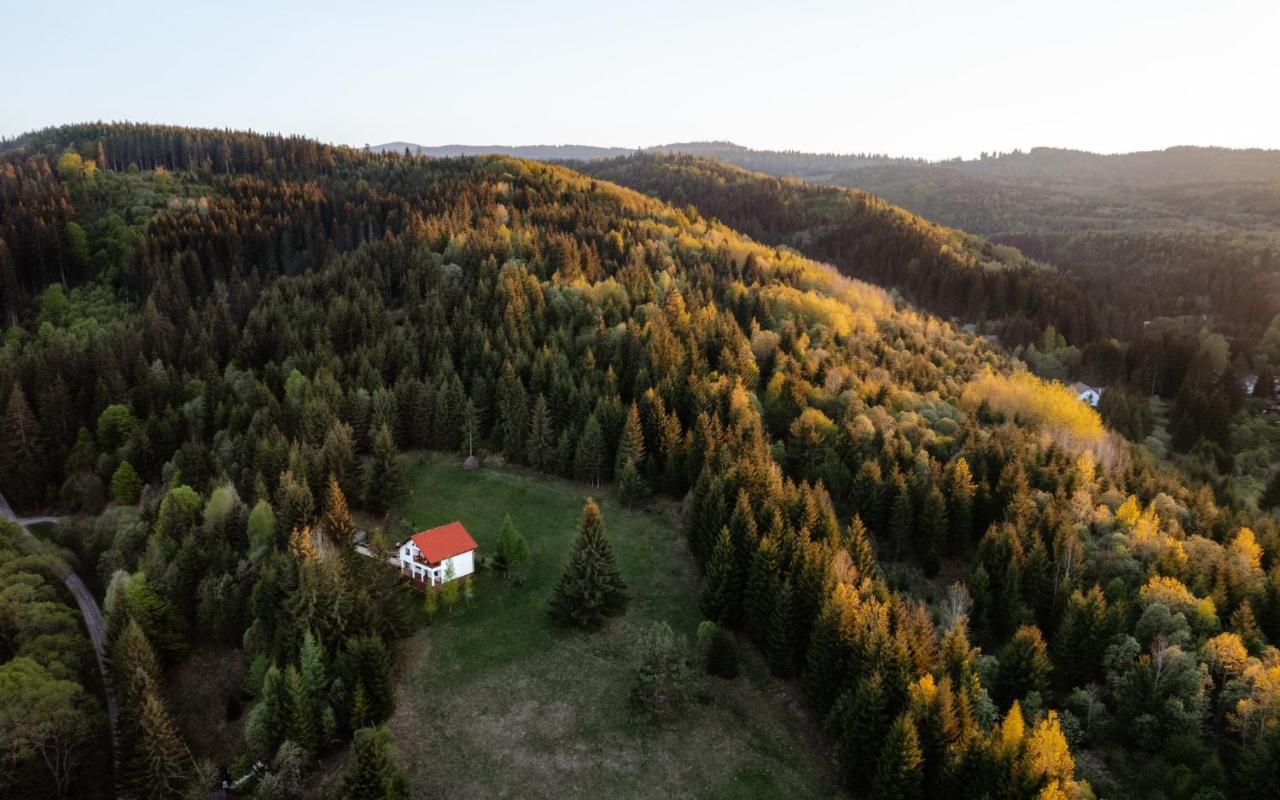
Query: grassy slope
[497, 702]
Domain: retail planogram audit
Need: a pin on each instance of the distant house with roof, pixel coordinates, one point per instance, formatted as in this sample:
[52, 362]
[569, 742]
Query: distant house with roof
[1086, 393]
[427, 556]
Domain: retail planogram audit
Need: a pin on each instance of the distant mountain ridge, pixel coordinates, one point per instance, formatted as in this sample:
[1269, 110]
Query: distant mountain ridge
[1173, 165]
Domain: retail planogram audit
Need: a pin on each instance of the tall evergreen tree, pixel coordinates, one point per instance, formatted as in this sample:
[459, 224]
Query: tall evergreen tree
[371, 772]
[631, 442]
[591, 588]
[384, 485]
[722, 583]
[589, 458]
[960, 492]
[540, 445]
[898, 775]
[859, 546]
[21, 452]
[763, 583]
[337, 517]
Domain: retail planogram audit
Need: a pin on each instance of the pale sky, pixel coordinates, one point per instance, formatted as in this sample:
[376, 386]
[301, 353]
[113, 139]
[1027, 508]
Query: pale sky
[929, 78]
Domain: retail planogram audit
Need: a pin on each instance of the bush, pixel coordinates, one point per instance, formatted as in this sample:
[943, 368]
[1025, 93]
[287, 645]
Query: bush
[722, 655]
[661, 683]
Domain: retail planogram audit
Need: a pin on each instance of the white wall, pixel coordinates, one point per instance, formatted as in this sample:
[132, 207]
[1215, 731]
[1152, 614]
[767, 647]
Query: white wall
[463, 564]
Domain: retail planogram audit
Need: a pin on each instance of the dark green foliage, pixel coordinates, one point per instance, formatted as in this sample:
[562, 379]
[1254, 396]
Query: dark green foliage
[897, 774]
[721, 582]
[1024, 666]
[660, 686]
[858, 722]
[22, 452]
[632, 488]
[1271, 497]
[591, 588]
[371, 772]
[763, 583]
[589, 457]
[512, 556]
[722, 655]
[383, 483]
[365, 668]
[126, 486]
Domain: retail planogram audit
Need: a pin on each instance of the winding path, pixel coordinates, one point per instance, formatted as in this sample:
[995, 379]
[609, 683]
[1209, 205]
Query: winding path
[88, 609]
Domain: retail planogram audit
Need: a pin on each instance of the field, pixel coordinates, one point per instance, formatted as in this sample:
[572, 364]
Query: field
[495, 701]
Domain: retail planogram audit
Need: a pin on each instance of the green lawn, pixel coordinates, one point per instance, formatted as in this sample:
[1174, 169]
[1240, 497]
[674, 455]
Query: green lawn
[495, 701]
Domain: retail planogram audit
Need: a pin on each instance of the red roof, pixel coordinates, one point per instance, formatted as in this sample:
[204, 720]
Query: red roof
[444, 542]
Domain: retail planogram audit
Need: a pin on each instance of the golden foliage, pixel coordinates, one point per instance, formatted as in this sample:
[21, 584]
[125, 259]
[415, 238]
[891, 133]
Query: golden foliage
[1049, 405]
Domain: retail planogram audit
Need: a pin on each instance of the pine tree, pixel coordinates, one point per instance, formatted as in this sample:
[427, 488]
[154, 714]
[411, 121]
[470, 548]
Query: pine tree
[1271, 497]
[22, 453]
[589, 457]
[931, 532]
[859, 720]
[901, 519]
[859, 546]
[303, 724]
[126, 486]
[761, 592]
[163, 759]
[1080, 640]
[1024, 666]
[631, 442]
[721, 583]
[540, 446]
[337, 517]
[591, 588]
[513, 409]
[371, 772]
[827, 662]
[366, 662]
[898, 775]
[384, 484]
[778, 650]
[512, 556]
[302, 544]
[960, 491]
[632, 488]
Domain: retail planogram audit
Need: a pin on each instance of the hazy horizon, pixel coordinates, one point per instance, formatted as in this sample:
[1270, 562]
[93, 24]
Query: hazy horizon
[930, 81]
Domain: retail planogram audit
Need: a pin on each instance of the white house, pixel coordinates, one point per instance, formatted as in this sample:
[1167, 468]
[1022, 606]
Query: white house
[1087, 393]
[427, 556]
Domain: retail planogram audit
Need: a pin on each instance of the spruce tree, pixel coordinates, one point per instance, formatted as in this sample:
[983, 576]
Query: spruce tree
[858, 721]
[589, 457]
[859, 546]
[761, 592]
[383, 484]
[591, 588]
[632, 488]
[1271, 497]
[303, 724]
[721, 583]
[631, 442]
[960, 491]
[126, 486]
[512, 556]
[778, 650]
[22, 453]
[337, 517]
[371, 772]
[1024, 666]
[898, 774]
[831, 647]
[163, 759]
[540, 446]
[1080, 640]
[931, 532]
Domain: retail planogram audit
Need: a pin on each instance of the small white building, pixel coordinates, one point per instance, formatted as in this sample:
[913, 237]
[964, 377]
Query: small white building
[1086, 393]
[427, 556]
